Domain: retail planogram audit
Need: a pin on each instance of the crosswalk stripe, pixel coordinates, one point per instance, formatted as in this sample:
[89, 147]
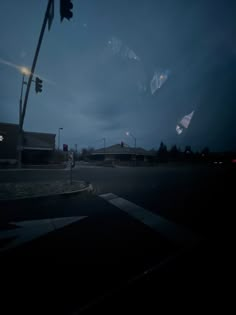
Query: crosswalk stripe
[166, 228]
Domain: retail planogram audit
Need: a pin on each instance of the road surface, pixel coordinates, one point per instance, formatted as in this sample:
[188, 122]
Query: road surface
[104, 251]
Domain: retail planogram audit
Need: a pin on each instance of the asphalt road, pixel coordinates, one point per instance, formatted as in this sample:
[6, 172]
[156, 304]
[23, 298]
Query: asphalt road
[141, 228]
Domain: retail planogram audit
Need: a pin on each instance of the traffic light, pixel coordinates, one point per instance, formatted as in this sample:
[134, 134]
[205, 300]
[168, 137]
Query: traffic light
[38, 85]
[65, 9]
[122, 144]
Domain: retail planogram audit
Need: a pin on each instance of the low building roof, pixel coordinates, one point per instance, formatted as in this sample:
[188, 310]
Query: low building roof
[39, 141]
[32, 140]
[118, 149]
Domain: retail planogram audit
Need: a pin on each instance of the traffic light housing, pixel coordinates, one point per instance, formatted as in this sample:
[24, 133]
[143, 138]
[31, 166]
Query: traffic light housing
[65, 9]
[122, 144]
[38, 85]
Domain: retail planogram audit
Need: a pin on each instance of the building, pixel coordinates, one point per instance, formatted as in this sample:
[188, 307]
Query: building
[122, 154]
[8, 143]
[38, 148]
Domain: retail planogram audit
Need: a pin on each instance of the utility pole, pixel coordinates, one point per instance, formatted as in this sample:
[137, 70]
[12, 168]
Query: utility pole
[59, 129]
[20, 142]
[135, 151]
[65, 12]
[20, 112]
[21, 94]
[104, 140]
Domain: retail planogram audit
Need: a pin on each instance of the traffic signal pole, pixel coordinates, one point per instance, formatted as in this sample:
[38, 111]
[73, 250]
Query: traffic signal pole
[47, 13]
[21, 95]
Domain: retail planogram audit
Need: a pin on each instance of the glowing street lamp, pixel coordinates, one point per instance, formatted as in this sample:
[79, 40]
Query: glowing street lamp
[130, 134]
[24, 70]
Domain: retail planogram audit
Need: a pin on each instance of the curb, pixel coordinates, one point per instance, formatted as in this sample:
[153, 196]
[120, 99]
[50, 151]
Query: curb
[88, 188]
[30, 169]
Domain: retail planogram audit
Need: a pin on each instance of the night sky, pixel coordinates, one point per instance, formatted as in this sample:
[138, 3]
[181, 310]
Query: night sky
[97, 70]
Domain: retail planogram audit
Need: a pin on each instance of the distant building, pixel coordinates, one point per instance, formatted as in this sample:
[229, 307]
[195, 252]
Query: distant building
[8, 144]
[120, 153]
[37, 147]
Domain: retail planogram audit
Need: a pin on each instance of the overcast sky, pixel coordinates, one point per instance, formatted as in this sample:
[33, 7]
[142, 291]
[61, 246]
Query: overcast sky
[97, 70]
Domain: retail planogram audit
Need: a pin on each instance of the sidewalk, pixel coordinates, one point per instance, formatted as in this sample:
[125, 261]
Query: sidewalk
[12, 191]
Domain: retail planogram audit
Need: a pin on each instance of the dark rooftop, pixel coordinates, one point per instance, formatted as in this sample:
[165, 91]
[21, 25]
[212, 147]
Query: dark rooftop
[118, 149]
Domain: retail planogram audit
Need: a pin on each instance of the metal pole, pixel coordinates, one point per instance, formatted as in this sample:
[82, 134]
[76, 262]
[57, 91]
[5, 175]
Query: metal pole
[104, 139]
[19, 131]
[59, 139]
[134, 147]
[21, 94]
[71, 172]
[31, 76]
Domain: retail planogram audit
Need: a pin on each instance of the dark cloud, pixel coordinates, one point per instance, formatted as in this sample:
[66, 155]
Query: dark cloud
[97, 93]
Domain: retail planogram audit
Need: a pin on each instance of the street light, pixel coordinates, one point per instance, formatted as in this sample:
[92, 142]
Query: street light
[104, 140]
[130, 134]
[25, 72]
[59, 129]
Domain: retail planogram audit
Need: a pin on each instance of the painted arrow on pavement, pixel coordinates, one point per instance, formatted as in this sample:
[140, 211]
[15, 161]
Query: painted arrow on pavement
[27, 231]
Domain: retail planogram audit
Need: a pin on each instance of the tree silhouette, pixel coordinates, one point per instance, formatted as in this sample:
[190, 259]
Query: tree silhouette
[205, 151]
[162, 148]
[174, 152]
[188, 149]
[86, 152]
[162, 152]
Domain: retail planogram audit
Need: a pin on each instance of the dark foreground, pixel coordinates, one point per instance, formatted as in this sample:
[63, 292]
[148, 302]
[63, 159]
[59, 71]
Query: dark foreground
[114, 256]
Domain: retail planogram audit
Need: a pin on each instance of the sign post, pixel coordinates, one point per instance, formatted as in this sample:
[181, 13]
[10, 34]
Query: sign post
[71, 161]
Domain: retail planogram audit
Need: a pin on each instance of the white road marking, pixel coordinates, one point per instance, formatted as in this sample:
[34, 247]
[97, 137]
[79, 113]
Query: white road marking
[166, 228]
[30, 230]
